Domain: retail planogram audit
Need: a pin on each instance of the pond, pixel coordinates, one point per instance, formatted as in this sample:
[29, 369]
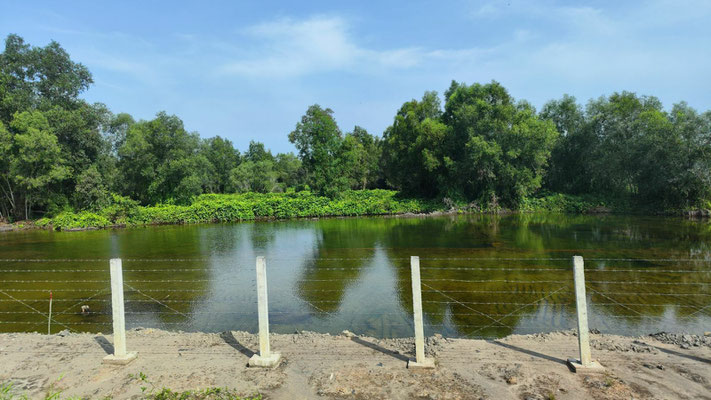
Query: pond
[482, 276]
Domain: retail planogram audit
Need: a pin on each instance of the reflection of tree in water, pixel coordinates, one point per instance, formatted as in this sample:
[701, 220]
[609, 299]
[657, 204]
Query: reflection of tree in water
[343, 247]
[491, 302]
[184, 243]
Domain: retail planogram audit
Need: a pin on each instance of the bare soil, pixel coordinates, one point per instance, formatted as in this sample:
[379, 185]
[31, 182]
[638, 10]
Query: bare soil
[349, 366]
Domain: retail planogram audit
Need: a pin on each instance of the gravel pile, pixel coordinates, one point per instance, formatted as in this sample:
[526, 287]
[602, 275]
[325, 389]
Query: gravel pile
[684, 341]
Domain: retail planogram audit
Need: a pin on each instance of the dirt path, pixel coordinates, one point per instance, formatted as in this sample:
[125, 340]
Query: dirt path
[345, 366]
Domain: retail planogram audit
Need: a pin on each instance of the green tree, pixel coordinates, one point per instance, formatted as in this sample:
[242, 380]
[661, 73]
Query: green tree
[38, 78]
[90, 192]
[500, 149]
[254, 176]
[257, 152]
[288, 170]
[569, 159]
[8, 203]
[116, 131]
[160, 161]
[223, 157]
[361, 155]
[36, 161]
[414, 155]
[319, 142]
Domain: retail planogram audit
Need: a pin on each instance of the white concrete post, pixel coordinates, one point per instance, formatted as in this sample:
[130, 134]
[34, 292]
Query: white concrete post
[420, 360]
[120, 355]
[265, 358]
[581, 305]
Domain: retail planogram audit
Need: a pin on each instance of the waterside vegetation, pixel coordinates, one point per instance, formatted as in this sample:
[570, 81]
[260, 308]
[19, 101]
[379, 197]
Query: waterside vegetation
[73, 164]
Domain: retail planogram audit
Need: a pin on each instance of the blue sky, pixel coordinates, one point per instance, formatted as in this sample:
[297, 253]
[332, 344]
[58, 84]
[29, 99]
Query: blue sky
[249, 70]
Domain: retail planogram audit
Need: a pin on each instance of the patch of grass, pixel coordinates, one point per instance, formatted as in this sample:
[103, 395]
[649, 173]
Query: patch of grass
[150, 392]
[205, 394]
[7, 392]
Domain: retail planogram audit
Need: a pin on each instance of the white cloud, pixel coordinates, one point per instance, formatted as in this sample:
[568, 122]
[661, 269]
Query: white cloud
[287, 48]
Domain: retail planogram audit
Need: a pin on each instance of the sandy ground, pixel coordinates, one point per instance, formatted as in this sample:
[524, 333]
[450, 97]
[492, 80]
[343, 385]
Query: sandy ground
[348, 366]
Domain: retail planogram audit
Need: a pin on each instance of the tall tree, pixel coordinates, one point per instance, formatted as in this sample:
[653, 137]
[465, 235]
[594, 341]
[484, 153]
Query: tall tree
[35, 160]
[500, 148]
[414, 155]
[567, 172]
[319, 142]
[38, 78]
[223, 157]
[161, 163]
[362, 153]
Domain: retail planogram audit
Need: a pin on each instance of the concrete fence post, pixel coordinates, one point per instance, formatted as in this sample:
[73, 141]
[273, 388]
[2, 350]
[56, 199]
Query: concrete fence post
[585, 363]
[420, 360]
[120, 355]
[265, 358]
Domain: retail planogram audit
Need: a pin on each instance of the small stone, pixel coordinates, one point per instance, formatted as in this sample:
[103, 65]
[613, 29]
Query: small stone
[512, 380]
[348, 334]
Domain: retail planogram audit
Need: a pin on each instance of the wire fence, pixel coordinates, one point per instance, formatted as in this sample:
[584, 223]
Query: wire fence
[461, 296]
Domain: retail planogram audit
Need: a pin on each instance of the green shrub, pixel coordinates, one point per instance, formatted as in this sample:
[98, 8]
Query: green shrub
[249, 206]
[303, 204]
[121, 210]
[69, 220]
[42, 222]
[558, 202]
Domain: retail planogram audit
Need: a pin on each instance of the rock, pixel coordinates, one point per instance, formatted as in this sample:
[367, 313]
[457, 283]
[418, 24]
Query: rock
[512, 380]
[348, 334]
[63, 333]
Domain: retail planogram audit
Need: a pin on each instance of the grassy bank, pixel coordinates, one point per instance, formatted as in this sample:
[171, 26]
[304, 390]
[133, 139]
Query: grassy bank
[243, 207]
[253, 206]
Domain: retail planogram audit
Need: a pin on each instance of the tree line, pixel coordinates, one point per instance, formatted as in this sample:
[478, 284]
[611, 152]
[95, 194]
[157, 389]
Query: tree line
[59, 152]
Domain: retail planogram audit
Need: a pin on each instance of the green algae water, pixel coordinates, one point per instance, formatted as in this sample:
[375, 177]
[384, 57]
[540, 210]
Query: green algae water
[482, 276]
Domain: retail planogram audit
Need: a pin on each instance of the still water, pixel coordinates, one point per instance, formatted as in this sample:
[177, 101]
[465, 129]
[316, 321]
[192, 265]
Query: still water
[482, 276]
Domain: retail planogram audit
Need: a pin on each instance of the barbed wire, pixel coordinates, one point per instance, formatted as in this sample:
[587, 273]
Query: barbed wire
[484, 303]
[291, 258]
[521, 308]
[430, 268]
[465, 306]
[650, 283]
[32, 308]
[489, 281]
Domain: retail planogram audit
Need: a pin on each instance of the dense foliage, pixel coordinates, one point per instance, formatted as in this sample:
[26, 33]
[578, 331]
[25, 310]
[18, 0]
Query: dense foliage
[78, 164]
[628, 147]
[241, 207]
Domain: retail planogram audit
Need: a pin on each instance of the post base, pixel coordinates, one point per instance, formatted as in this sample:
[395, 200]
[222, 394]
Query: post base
[427, 363]
[120, 360]
[593, 368]
[265, 362]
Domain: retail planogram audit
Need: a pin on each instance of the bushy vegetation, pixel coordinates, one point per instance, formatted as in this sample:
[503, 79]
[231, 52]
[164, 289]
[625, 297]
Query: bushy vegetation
[248, 206]
[565, 203]
[81, 165]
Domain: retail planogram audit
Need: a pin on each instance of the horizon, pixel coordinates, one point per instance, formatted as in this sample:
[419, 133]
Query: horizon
[249, 72]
